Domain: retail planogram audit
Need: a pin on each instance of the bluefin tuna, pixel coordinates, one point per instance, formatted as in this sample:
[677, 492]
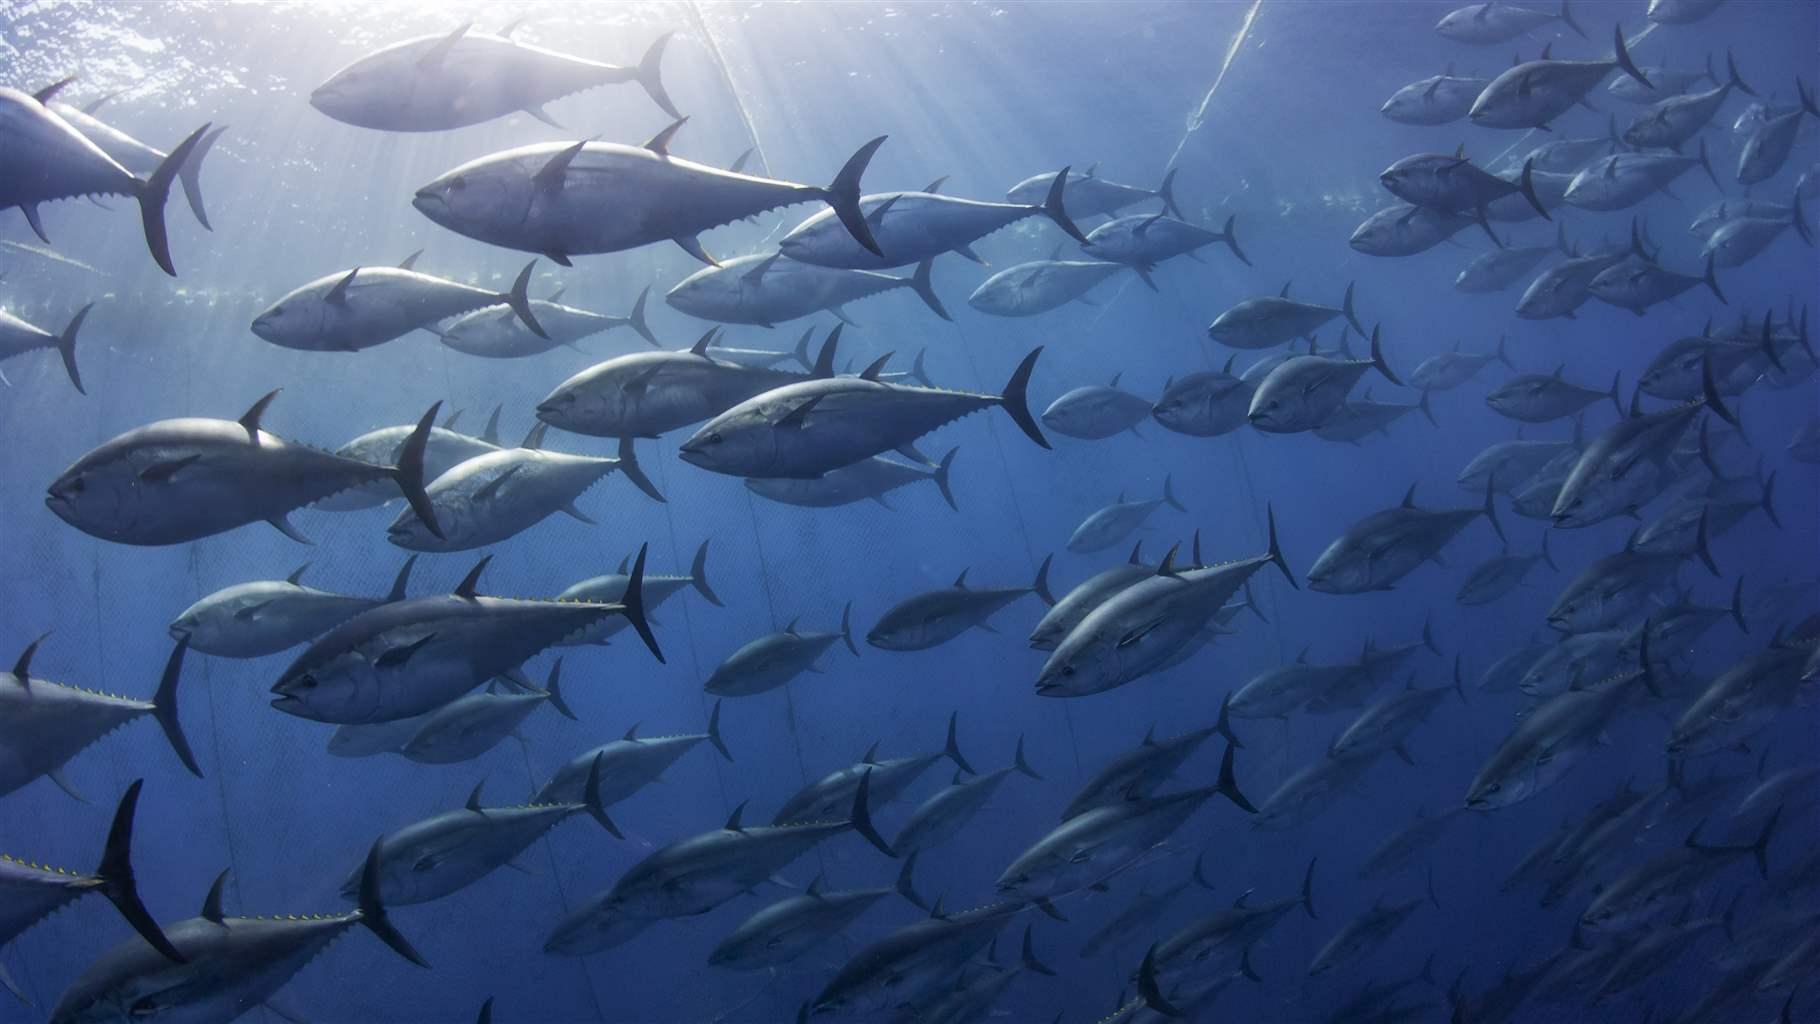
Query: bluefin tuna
[252, 620]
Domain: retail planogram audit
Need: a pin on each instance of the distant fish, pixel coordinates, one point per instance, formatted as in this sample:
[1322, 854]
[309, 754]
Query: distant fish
[1305, 391]
[1095, 412]
[783, 932]
[885, 781]
[438, 83]
[1449, 370]
[1664, 82]
[867, 480]
[1668, 123]
[1143, 242]
[1498, 269]
[1768, 147]
[1089, 195]
[444, 450]
[1208, 403]
[1438, 99]
[1268, 321]
[776, 658]
[1406, 230]
[467, 727]
[628, 764]
[1680, 12]
[1623, 180]
[1498, 576]
[1486, 24]
[768, 289]
[611, 588]
[1545, 397]
[1534, 93]
[935, 617]
[252, 620]
[1376, 552]
[1110, 525]
[1028, 289]
[947, 812]
[498, 332]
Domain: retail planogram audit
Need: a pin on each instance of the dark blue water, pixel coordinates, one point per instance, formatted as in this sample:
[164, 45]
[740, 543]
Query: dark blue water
[987, 94]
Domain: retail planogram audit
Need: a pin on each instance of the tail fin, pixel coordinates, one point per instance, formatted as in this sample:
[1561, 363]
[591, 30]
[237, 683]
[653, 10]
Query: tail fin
[952, 747]
[519, 298]
[409, 473]
[1351, 315]
[1228, 784]
[66, 346]
[164, 707]
[552, 689]
[941, 477]
[1055, 211]
[1019, 764]
[1040, 586]
[632, 604]
[714, 735]
[1308, 889]
[591, 799]
[1615, 395]
[906, 884]
[801, 351]
[1707, 166]
[1621, 54]
[116, 874]
[1377, 358]
[862, 815]
[846, 627]
[1710, 392]
[1759, 850]
[1712, 281]
[1426, 408]
[1230, 236]
[843, 195]
[919, 283]
[1527, 185]
[698, 576]
[1166, 192]
[1491, 513]
[1273, 551]
[189, 175]
[1567, 18]
[628, 464]
[1731, 71]
[1737, 606]
[1169, 495]
[648, 75]
[1546, 557]
[1223, 724]
[1768, 501]
[1152, 990]
[1027, 957]
[1016, 398]
[372, 911]
[156, 191]
[637, 322]
[1459, 684]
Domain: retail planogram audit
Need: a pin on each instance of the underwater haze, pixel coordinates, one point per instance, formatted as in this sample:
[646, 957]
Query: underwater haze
[1342, 706]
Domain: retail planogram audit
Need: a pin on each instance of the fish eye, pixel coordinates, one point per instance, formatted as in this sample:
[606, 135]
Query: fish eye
[78, 485]
[306, 682]
[1067, 670]
[1494, 787]
[714, 438]
[457, 183]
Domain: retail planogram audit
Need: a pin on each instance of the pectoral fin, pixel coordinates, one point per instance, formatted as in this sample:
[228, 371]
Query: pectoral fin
[398, 656]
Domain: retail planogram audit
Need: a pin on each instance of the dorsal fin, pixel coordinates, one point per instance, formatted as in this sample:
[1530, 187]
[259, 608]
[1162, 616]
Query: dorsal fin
[791, 628]
[466, 588]
[1115, 379]
[491, 434]
[935, 186]
[1144, 227]
[700, 348]
[871, 754]
[296, 575]
[211, 904]
[1409, 497]
[1195, 550]
[473, 803]
[623, 562]
[960, 582]
[631, 734]
[410, 262]
[44, 95]
[871, 372]
[257, 411]
[440, 49]
[732, 824]
[814, 890]
[23, 667]
[1149, 737]
[1167, 568]
[339, 294]
[1227, 369]
[824, 360]
[877, 215]
[1284, 294]
[1137, 553]
[660, 143]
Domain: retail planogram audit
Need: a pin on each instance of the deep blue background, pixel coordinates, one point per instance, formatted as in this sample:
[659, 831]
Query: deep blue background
[986, 94]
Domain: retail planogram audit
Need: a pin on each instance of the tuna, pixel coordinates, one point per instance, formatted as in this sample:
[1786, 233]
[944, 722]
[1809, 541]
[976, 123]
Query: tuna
[1767, 148]
[1366, 933]
[229, 964]
[467, 727]
[916, 227]
[611, 588]
[137, 157]
[627, 765]
[1623, 180]
[935, 617]
[18, 337]
[886, 781]
[498, 332]
[1405, 230]
[1630, 464]
[1096, 411]
[776, 658]
[943, 816]
[1268, 321]
[368, 306]
[1378, 551]
[47, 159]
[1455, 184]
[1027, 289]
[1668, 123]
[804, 430]
[33, 892]
[1496, 577]
[769, 289]
[1142, 242]
[1139, 772]
[561, 199]
[866, 480]
[408, 657]
[1111, 525]
[1449, 370]
[445, 449]
[1204, 404]
[184, 479]
[1534, 93]
[1436, 100]
[782, 932]
[1486, 24]
[442, 82]
[45, 724]
[1305, 391]
[1543, 398]
[252, 620]
[496, 496]
[1089, 195]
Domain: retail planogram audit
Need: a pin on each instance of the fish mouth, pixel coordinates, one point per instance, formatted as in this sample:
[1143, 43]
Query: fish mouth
[430, 203]
[179, 631]
[286, 702]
